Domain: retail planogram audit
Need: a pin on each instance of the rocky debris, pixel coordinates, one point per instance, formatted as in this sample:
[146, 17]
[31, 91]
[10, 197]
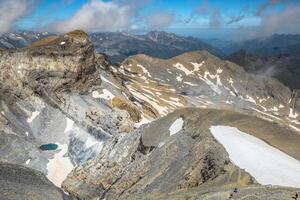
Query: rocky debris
[17, 182]
[124, 104]
[248, 193]
[152, 161]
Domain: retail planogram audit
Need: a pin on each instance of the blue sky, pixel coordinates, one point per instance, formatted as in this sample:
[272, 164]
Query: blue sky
[203, 18]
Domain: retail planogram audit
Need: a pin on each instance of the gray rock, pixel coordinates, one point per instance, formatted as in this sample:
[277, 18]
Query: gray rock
[17, 182]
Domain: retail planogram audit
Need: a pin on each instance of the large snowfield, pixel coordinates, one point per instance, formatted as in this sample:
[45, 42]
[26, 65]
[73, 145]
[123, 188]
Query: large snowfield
[268, 165]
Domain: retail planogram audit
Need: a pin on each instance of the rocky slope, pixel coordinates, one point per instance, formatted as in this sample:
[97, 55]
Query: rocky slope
[203, 80]
[52, 93]
[159, 161]
[65, 109]
[274, 45]
[18, 182]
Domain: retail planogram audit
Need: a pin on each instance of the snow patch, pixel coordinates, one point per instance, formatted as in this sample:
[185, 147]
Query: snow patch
[91, 141]
[176, 126]
[189, 83]
[182, 68]
[197, 66]
[265, 163]
[179, 78]
[145, 71]
[60, 166]
[161, 144]
[27, 161]
[62, 43]
[293, 114]
[33, 116]
[69, 125]
[105, 95]
[213, 86]
[106, 80]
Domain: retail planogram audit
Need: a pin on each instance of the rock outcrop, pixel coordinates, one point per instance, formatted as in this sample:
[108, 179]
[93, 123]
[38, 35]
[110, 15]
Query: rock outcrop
[51, 92]
[17, 182]
[156, 162]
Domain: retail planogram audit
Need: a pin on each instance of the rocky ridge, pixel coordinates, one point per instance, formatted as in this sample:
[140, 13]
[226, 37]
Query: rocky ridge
[203, 80]
[162, 164]
[58, 90]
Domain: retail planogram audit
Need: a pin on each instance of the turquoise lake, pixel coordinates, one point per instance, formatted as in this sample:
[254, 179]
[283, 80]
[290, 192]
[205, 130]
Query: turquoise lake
[48, 147]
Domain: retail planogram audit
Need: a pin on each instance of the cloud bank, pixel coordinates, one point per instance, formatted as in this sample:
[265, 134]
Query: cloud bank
[13, 10]
[160, 20]
[285, 21]
[98, 16]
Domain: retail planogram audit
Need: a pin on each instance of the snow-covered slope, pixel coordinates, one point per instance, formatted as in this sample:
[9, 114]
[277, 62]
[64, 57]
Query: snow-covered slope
[265, 163]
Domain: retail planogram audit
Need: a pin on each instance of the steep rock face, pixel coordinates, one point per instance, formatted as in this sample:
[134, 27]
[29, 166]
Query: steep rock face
[52, 93]
[202, 80]
[17, 182]
[50, 65]
[165, 157]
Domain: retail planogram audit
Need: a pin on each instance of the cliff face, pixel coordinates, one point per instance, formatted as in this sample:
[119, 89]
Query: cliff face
[51, 92]
[51, 65]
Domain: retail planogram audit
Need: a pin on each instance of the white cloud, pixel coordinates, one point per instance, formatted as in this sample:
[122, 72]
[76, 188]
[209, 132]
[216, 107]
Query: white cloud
[160, 20]
[285, 21]
[12, 11]
[97, 15]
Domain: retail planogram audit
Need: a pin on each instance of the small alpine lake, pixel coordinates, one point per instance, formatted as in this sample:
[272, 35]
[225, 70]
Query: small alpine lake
[48, 147]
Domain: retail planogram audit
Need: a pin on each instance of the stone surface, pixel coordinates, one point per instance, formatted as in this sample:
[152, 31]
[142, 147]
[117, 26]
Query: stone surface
[17, 182]
[150, 161]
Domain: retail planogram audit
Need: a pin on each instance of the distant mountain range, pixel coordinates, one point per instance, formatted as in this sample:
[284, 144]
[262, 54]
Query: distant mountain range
[278, 44]
[118, 46]
[276, 56]
[282, 67]
[21, 39]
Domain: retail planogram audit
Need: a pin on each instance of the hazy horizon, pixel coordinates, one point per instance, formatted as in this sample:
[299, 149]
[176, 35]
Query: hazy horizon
[230, 20]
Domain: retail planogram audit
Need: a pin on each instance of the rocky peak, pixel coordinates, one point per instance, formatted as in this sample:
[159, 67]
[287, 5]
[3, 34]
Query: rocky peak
[52, 64]
[160, 36]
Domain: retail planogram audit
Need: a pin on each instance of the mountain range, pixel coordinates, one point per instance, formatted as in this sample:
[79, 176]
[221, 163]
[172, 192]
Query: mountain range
[74, 125]
[275, 56]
